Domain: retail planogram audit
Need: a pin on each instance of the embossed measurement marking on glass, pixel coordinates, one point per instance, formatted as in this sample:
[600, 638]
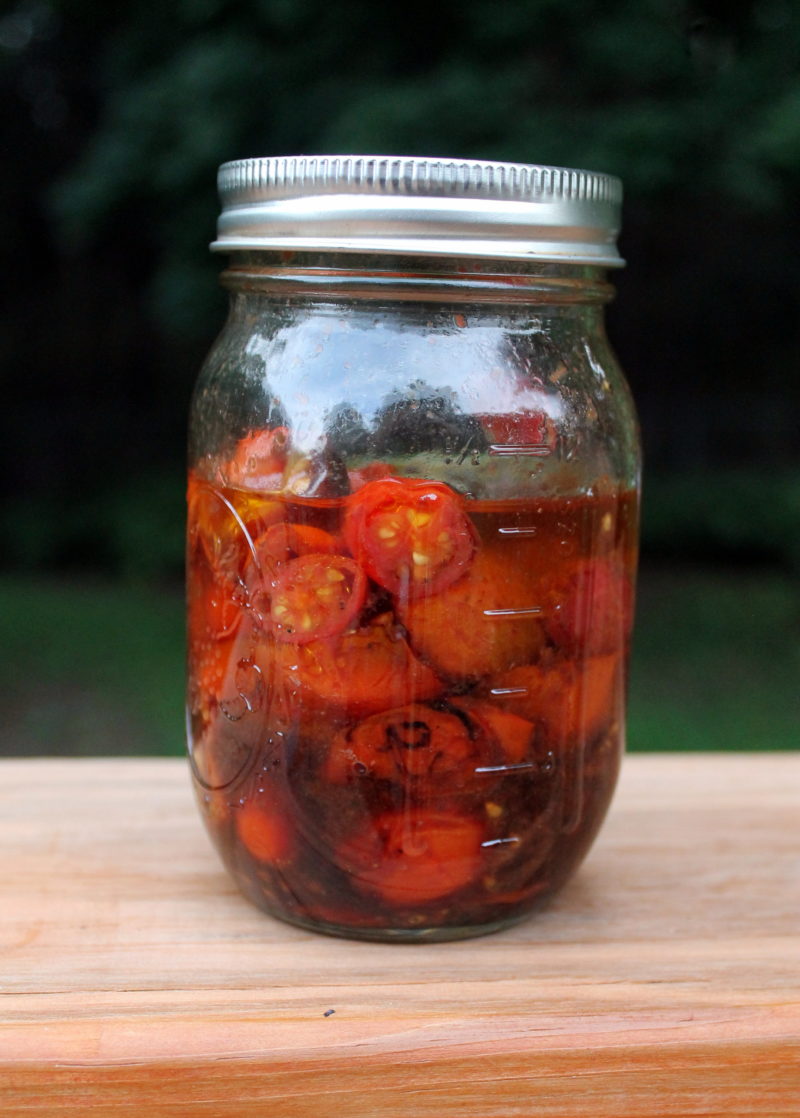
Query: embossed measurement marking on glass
[520, 611]
[530, 450]
[523, 766]
[516, 531]
[509, 691]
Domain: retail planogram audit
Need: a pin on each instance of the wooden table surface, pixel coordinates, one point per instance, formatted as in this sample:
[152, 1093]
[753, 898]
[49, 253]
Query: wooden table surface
[664, 981]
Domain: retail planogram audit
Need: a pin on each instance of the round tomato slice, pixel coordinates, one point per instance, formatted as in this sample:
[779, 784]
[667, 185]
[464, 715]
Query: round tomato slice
[571, 700]
[285, 541]
[412, 537]
[414, 859]
[486, 622]
[590, 608]
[413, 745]
[316, 596]
[263, 830]
[362, 672]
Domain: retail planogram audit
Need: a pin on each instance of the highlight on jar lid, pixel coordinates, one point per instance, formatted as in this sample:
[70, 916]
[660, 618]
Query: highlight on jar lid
[432, 207]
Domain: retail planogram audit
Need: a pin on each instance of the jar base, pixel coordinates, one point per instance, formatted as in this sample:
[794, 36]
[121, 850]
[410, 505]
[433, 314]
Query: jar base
[443, 934]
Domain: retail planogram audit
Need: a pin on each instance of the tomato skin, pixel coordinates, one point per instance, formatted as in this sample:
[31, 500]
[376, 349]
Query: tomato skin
[515, 735]
[467, 630]
[414, 859]
[259, 460]
[315, 597]
[263, 830]
[590, 611]
[570, 701]
[284, 541]
[360, 672]
[412, 537]
[411, 745]
[444, 749]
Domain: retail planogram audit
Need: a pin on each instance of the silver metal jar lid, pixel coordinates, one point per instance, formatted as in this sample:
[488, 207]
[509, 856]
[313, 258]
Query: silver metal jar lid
[433, 207]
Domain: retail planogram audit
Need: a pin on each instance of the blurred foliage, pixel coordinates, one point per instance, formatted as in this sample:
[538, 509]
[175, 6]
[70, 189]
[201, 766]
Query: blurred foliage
[753, 516]
[715, 662]
[702, 100]
[114, 686]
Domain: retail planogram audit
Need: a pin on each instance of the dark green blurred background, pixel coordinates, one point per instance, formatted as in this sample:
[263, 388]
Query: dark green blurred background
[115, 119]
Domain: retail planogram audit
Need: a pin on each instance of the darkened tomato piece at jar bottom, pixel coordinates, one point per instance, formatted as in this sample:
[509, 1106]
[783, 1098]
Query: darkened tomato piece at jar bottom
[412, 537]
[413, 858]
[315, 597]
[263, 829]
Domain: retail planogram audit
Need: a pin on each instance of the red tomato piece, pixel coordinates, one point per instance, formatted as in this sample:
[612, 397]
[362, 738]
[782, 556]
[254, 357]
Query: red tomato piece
[216, 531]
[282, 542]
[411, 859]
[259, 459]
[263, 830]
[571, 701]
[462, 745]
[415, 744]
[590, 609]
[219, 546]
[316, 596]
[412, 537]
[361, 672]
[486, 622]
[515, 736]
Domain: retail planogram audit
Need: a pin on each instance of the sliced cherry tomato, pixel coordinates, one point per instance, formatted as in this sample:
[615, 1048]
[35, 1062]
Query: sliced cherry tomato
[412, 537]
[515, 736]
[263, 830]
[486, 622]
[315, 597]
[572, 701]
[217, 530]
[590, 608]
[215, 604]
[415, 744]
[361, 672]
[277, 546]
[218, 545]
[462, 745]
[411, 859]
[282, 542]
[228, 696]
[259, 459]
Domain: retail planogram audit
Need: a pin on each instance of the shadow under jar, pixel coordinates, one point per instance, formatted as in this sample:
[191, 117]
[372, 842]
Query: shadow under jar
[412, 533]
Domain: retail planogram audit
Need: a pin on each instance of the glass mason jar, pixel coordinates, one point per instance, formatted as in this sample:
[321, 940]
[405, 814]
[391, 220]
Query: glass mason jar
[412, 533]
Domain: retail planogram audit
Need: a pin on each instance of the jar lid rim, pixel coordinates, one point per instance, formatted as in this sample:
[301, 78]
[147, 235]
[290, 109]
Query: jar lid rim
[419, 205]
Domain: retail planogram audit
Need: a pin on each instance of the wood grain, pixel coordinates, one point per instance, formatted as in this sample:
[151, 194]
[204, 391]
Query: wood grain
[663, 982]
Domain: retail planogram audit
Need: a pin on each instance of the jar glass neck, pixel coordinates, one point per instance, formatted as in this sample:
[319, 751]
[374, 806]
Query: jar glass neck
[418, 278]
